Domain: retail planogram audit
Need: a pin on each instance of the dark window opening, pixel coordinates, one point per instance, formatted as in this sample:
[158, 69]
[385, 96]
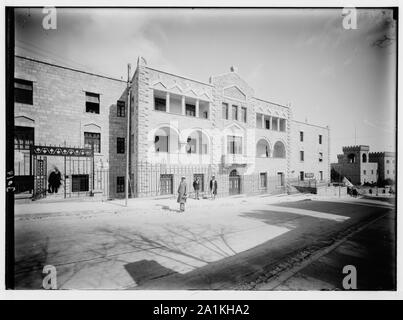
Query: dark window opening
[121, 110]
[120, 145]
[267, 122]
[234, 112]
[243, 114]
[263, 180]
[23, 91]
[120, 184]
[93, 140]
[301, 136]
[301, 155]
[92, 102]
[160, 104]
[191, 110]
[80, 182]
[320, 139]
[320, 156]
[23, 138]
[225, 111]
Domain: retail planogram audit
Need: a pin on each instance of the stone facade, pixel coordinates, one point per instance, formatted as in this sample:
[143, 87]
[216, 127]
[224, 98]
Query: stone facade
[59, 118]
[192, 110]
[386, 164]
[178, 127]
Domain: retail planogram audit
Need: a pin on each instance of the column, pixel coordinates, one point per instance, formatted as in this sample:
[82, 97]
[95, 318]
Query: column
[263, 126]
[271, 123]
[197, 108]
[183, 106]
[208, 110]
[278, 124]
[167, 102]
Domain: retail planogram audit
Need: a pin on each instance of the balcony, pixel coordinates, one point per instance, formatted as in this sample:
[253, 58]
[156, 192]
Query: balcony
[229, 159]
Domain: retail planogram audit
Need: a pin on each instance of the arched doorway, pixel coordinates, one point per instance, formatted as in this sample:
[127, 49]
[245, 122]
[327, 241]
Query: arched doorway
[234, 182]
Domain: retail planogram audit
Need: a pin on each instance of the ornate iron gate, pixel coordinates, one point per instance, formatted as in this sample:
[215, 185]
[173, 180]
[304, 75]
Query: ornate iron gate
[78, 167]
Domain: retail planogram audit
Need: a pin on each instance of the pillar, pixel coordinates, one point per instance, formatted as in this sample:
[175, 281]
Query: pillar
[197, 108]
[167, 101]
[183, 106]
[263, 126]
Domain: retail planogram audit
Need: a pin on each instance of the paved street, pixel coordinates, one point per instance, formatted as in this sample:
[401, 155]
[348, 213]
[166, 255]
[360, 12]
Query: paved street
[230, 243]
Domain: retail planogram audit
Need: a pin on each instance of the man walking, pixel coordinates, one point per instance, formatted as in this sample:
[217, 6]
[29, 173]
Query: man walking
[54, 180]
[182, 194]
[213, 187]
[196, 187]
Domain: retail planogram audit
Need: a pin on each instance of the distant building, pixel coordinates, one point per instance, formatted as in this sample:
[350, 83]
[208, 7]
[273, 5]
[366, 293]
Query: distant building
[354, 164]
[386, 164]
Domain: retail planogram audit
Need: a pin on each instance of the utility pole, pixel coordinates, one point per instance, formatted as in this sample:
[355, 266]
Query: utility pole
[127, 134]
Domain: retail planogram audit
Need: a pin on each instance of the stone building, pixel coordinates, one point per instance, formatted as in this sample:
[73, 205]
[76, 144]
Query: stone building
[178, 127]
[355, 164]
[386, 164]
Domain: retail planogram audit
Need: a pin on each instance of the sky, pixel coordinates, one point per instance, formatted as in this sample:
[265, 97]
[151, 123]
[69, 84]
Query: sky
[343, 78]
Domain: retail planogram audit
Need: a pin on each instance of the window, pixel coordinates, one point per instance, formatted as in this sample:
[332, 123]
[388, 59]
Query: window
[234, 145]
[365, 172]
[321, 175]
[372, 171]
[80, 182]
[301, 136]
[234, 112]
[23, 138]
[161, 143]
[120, 108]
[91, 102]
[267, 122]
[243, 114]
[387, 171]
[120, 145]
[120, 184]
[205, 114]
[191, 110]
[263, 180]
[301, 175]
[301, 155]
[387, 161]
[320, 139]
[160, 104]
[93, 140]
[225, 111]
[364, 157]
[23, 91]
[320, 156]
[282, 125]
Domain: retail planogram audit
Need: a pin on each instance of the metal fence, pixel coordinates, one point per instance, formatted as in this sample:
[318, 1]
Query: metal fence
[162, 179]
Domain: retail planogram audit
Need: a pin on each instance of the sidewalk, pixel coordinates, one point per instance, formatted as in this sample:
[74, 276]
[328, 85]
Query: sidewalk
[141, 204]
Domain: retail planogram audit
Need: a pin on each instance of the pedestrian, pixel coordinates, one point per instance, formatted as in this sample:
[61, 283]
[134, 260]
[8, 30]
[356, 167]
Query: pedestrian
[54, 180]
[213, 187]
[196, 187]
[182, 194]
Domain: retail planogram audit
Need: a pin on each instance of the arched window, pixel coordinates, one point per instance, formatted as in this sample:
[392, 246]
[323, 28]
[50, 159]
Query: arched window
[351, 158]
[234, 173]
[279, 150]
[262, 149]
[166, 140]
[364, 157]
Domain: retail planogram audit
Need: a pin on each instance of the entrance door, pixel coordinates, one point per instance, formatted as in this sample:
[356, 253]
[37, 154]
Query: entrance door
[234, 183]
[166, 184]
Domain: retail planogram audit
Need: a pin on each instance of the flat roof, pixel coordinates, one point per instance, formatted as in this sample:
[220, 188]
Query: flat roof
[68, 68]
